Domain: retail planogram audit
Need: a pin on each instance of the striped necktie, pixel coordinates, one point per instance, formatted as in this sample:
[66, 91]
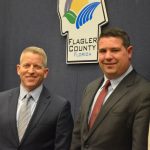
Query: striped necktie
[24, 116]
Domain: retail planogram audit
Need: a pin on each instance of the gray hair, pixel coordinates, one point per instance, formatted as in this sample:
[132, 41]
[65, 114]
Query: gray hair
[35, 50]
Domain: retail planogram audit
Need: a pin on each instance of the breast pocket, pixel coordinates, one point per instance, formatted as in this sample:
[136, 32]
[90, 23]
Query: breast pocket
[122, 118]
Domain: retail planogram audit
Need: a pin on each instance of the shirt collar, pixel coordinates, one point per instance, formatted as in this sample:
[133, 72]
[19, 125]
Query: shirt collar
[35, 93]
[115, 82]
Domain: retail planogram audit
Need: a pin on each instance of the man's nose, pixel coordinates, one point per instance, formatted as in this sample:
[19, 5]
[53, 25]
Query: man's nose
[108, 55]
[31, 69]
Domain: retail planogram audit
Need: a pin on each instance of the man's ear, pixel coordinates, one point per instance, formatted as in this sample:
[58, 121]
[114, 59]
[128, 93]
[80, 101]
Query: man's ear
[130, 51]
[18, 69]
[46, 72]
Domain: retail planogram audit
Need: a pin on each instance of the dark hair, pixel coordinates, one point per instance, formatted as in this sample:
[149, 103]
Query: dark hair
[116, 32]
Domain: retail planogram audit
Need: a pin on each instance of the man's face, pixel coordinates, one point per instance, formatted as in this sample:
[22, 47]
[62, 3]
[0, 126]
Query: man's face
[31, 70]
[114, 58]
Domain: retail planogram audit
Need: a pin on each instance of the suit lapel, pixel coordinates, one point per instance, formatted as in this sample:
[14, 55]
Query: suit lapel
[89, 100]
[120, 91]
[12, 110]
[42, 104]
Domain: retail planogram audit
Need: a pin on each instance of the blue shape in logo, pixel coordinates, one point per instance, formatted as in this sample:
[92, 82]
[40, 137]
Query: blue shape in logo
[86, 14]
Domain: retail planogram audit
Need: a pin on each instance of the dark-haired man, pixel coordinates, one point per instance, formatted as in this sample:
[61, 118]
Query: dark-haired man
[115, 110]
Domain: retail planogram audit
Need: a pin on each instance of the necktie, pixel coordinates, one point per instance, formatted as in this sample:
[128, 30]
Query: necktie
[24, 116]
[98, 104]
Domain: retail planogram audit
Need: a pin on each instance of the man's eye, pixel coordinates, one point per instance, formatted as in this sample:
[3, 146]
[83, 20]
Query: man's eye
[26, 66]
[35, 67]
[38, 67]
[102, 51]
[115, 50]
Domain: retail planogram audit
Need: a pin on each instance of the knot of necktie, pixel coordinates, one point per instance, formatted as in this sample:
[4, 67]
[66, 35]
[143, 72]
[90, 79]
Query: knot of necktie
[107, 84]
[28, 96]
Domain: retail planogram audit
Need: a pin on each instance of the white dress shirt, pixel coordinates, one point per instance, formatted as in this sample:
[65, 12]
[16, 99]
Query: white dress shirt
[35, 96]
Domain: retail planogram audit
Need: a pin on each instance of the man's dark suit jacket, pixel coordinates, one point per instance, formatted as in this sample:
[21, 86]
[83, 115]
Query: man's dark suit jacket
[123, 121]
[50, 127]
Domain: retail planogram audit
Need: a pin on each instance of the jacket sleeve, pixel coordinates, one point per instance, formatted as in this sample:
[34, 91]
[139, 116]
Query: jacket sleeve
[76, 136]
[64, 129]
[140, 125]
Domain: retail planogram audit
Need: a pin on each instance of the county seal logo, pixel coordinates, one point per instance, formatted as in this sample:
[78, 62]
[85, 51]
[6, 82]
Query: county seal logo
[81, 21]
